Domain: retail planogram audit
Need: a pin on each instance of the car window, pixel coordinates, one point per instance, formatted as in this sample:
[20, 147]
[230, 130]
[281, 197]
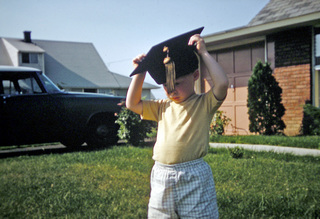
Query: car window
[29, 86]
[20, 86]
[9, 88]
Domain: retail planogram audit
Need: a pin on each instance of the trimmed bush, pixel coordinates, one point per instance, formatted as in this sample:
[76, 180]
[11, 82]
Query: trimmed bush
[264, 102]
[311, 120]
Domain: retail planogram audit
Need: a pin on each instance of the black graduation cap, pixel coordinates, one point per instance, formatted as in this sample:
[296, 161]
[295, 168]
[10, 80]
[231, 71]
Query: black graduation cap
[170, 59]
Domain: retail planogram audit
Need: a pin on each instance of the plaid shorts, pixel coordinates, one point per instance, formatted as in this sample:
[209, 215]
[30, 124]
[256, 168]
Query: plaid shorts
[183, 190]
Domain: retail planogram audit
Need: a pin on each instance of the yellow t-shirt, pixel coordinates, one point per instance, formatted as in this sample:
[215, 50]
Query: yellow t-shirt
[183, 129]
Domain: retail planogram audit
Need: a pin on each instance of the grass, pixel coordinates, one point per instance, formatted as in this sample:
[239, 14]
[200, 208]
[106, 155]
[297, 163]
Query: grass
[312, 142]
[114, 183]
[266, 185]
[101, 184]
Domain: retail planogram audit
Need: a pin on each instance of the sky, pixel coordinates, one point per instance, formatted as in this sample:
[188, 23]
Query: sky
[122, 29]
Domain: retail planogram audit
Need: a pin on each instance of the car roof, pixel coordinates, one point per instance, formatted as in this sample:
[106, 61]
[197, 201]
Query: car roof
[7, 68]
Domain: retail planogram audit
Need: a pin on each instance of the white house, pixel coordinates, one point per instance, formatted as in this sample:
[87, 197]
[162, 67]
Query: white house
[73, 66]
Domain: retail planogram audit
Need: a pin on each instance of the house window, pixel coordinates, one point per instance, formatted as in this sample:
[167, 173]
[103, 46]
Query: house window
[90, 90]
[31, 58]
[73, 89]
[317, 66]
[105, 91]
[317, 46]
[317, 102]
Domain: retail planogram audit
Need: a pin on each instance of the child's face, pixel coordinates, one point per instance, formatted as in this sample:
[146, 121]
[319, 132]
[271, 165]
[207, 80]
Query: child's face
[183, 88]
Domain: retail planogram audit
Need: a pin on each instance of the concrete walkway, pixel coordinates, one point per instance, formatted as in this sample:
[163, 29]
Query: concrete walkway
[276, 149]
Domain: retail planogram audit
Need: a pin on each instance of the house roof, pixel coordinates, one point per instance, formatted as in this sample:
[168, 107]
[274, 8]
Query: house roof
[277, 10]
[76, 65]
[275, 16]
[23, 46]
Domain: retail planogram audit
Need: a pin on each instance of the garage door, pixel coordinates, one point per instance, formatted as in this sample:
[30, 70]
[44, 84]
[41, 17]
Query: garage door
[238, 63]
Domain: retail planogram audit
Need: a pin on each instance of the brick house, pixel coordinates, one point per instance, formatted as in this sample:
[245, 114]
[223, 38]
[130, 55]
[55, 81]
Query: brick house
[286, 34]
[73, 66]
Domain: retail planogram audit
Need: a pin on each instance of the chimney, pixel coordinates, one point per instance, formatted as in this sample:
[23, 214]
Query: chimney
[27, 36]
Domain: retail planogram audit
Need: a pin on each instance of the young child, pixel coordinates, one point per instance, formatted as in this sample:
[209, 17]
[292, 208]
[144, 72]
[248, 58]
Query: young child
[182, 183]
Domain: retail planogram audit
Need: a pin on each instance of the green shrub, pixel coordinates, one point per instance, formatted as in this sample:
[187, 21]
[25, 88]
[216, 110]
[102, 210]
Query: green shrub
[236, 152]
[218, 123]
[311, 120]
[264, 102]
[153, 132]
[132, 129]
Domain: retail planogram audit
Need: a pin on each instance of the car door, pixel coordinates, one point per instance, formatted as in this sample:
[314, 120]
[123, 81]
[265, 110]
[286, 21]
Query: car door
[29, 114]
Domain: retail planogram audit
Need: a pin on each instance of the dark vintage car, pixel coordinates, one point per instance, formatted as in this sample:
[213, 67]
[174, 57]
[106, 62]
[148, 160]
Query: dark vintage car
[33, 110]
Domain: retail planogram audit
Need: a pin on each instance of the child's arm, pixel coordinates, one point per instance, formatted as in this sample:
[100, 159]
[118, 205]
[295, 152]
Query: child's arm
[133, 100]
[215, 75]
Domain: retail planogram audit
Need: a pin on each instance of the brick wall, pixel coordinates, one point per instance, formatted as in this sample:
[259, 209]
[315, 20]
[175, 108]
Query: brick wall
[292, 55]
[295, 83]
[292, 47]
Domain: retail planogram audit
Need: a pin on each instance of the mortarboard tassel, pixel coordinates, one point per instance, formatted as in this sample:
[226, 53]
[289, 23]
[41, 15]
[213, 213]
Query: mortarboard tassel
[170, 71]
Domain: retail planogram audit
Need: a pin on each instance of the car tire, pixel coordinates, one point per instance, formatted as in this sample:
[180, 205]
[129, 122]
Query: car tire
[102, 131]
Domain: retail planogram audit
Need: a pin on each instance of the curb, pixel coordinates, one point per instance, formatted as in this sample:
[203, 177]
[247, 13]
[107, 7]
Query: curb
[275, 149]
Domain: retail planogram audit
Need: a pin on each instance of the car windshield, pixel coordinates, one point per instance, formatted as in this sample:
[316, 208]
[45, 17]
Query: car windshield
[48, 84]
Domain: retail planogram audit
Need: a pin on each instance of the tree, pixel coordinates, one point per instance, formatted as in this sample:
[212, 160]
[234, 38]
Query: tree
[264, 101]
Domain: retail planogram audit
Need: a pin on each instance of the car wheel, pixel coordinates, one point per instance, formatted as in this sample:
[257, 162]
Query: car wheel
[102, 131]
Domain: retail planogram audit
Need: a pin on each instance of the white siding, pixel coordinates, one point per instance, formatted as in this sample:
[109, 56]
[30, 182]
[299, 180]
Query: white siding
[13, 52]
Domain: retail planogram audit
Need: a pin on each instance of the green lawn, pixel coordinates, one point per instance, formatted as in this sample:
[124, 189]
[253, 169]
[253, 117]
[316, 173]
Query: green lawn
[114, 183]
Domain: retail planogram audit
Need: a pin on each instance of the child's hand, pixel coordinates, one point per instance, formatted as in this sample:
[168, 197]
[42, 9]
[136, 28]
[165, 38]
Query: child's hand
[137, 60]
[199, 42]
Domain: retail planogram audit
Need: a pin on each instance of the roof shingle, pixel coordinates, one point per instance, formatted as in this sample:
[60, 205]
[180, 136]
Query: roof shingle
[277, 10]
